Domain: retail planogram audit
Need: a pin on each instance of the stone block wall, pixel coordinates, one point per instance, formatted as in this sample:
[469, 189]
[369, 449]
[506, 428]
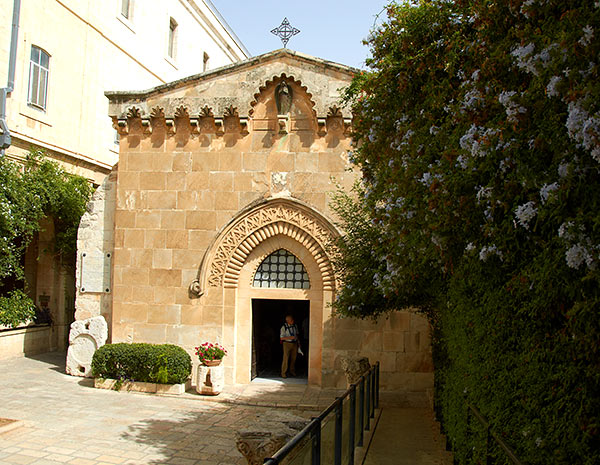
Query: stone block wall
[96, 234]
[26, 341]
[195, 157]
[401, 342]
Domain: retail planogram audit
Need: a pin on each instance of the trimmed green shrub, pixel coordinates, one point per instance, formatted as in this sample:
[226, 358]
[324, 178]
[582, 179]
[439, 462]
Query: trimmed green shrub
[164, 364]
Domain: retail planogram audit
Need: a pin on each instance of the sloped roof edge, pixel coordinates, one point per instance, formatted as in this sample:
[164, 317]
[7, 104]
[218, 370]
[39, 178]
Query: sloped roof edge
[117, 95]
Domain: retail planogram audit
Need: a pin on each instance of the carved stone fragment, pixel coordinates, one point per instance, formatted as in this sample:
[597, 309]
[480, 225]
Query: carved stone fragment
[354, 368]
[268, 433]
[84, 338]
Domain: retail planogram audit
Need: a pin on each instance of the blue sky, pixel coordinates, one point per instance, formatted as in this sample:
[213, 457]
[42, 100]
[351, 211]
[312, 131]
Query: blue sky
[331, 29]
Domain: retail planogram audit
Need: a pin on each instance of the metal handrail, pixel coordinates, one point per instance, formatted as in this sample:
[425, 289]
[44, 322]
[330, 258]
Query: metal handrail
[370, 400]
[490, 433]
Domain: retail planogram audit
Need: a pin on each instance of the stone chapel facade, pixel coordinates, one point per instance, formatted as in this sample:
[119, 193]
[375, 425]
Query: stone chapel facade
[219, 203]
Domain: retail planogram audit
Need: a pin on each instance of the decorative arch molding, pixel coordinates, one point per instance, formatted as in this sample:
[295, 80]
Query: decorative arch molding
[275, 80]
[223, 262]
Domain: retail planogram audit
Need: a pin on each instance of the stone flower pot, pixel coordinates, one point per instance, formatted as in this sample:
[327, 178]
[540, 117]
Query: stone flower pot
[211, 378]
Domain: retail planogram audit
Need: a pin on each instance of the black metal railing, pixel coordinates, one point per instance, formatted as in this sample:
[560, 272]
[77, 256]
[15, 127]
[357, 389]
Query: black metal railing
[347, 433]
[490, 435]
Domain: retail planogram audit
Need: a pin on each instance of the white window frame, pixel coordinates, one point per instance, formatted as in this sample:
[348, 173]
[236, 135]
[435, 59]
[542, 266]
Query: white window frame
[36, 71]
[172, 39]
[126, 5]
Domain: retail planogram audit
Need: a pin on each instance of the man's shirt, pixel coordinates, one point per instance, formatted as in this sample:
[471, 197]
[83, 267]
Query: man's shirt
[288, 331]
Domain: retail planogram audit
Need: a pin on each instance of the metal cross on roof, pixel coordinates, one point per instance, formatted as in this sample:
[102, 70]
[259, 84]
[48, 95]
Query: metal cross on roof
[285, 32]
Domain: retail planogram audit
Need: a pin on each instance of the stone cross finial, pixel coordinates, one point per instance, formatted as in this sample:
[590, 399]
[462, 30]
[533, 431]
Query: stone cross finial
[285, 32]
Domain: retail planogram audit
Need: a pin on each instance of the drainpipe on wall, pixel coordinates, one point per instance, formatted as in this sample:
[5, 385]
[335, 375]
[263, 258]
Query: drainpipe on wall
[5, 139]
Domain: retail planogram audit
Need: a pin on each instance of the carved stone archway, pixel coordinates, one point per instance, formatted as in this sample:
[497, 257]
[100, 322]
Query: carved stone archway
[224, 260]
[230, 263]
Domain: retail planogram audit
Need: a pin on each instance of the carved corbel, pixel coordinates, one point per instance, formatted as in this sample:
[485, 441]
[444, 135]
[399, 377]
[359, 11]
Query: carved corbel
[206, 121]
[182, 120]
[322, 124]
[283, 123]
[195, 289]
[183, 127]
[231, 120]
[219, 126]
[134, 121]
[347, 126]
[335, 120]
[120, 124]
[244, 125]
[156, 123]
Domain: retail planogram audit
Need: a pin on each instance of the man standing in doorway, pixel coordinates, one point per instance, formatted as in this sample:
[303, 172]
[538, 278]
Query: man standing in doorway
[288, 335]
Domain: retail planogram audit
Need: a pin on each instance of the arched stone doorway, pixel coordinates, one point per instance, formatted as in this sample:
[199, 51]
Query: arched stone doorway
[231, 263]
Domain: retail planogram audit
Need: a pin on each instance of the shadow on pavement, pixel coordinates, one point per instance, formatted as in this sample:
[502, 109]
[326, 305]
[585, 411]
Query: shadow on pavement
[206, 435]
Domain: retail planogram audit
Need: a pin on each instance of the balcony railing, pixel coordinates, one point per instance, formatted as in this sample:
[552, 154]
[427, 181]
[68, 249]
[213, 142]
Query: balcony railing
[331, 438]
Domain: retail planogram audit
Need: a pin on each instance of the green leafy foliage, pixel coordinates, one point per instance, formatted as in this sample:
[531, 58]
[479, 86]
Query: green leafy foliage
[16, 308]
[28, 193]
[479, 145]
[164, 364]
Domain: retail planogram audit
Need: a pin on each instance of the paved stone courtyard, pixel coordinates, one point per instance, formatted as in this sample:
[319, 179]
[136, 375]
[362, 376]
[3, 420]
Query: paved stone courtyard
[65, 420]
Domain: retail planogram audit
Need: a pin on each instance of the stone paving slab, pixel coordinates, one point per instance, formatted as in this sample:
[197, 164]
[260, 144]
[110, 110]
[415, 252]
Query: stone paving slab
[63, 420]
[407, 436]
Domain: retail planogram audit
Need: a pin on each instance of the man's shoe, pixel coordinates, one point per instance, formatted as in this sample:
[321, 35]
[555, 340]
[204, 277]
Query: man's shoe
[283, 376]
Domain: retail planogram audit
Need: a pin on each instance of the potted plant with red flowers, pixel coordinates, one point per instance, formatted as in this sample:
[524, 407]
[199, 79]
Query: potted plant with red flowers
[211, 374]
[211, 355]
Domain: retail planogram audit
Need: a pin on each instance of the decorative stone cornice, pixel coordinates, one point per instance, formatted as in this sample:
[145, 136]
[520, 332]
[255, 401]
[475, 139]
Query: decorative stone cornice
[137, 122]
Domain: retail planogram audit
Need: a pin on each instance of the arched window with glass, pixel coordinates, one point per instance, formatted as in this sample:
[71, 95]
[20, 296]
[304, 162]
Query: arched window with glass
[281, 270]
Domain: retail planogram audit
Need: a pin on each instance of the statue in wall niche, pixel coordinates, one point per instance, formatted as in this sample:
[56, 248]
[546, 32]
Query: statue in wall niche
[283, 98]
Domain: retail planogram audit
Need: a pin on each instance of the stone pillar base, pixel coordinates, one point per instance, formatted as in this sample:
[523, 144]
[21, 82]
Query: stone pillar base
[210, 380]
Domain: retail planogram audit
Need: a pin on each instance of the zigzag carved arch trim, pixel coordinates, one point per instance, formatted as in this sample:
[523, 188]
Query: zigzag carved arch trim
[226, 258]
[279, 78]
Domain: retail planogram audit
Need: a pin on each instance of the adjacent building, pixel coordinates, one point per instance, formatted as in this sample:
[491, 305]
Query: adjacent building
[68, 52]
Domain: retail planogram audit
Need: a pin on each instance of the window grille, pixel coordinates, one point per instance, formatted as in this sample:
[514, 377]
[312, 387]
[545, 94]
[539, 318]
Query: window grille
[281, 270]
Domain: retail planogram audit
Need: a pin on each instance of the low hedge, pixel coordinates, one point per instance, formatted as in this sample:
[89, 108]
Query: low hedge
[164, 364]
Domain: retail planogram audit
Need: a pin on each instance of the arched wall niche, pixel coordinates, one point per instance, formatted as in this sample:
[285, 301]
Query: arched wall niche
[264, 105]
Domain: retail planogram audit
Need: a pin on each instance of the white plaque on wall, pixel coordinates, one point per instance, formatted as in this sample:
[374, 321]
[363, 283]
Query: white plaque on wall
[95, 272]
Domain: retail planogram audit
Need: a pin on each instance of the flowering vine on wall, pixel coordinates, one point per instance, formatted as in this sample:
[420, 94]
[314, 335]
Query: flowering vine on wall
[478, 139]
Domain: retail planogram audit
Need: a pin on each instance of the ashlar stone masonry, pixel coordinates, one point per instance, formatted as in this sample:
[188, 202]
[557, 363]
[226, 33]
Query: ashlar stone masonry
[217, 172]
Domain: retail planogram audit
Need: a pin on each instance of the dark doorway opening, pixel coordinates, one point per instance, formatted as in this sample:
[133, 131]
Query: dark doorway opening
[268, 317]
